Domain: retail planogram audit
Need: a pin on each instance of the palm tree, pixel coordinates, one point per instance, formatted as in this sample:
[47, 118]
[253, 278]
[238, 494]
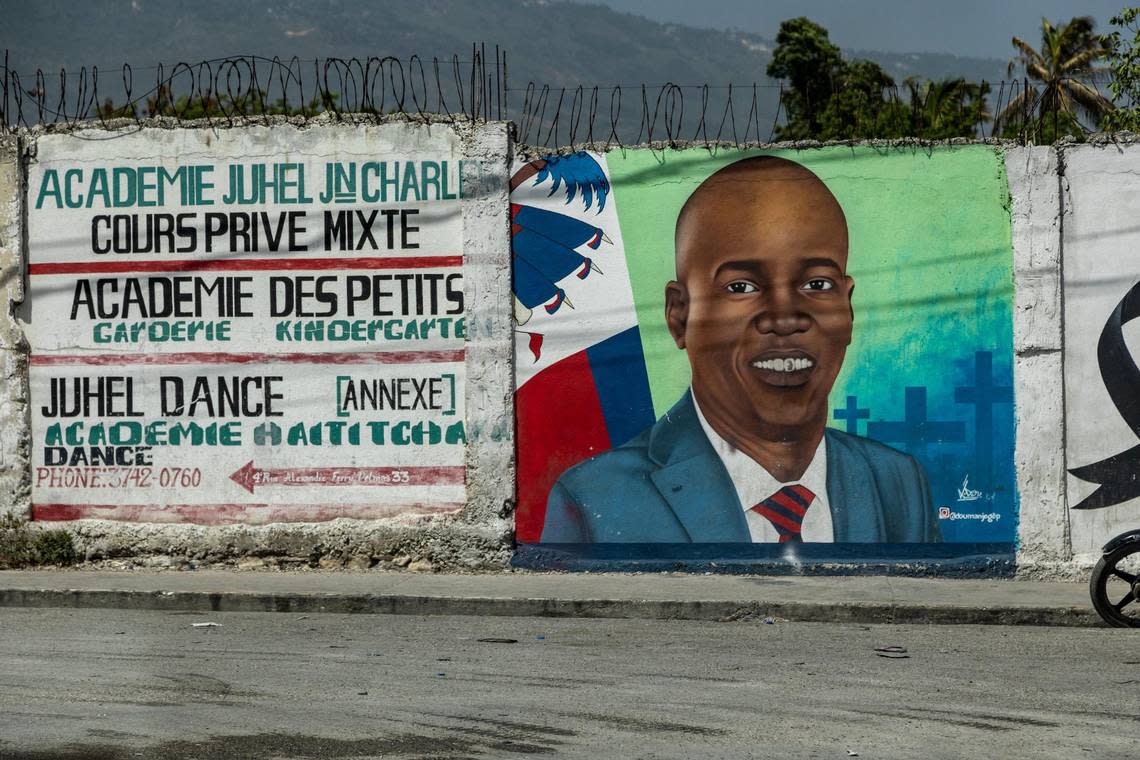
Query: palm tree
[947, 108]
[1062, 71]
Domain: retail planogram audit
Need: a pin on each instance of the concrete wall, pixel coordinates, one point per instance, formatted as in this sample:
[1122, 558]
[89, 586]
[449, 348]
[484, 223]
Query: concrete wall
[14, 433]
[1100, 266]
[1076, 243]
[1034, 181]
[1071, 211]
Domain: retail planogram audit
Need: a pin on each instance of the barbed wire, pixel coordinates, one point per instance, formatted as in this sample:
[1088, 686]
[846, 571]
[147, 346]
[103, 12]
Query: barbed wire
[729, 116]
[223, 91]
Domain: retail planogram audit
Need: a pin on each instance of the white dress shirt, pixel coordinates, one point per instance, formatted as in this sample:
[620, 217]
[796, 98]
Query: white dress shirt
[754, 484]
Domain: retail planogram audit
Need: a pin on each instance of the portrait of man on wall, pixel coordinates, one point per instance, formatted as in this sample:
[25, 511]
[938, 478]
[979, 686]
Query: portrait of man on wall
[763, 307]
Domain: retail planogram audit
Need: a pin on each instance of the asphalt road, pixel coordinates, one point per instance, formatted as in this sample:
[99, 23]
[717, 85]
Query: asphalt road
[119, 685]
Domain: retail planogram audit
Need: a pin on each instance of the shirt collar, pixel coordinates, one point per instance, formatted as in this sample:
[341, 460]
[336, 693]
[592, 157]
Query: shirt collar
[753, 483]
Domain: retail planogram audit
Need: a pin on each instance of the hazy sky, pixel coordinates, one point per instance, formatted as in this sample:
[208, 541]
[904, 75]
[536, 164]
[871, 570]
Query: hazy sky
[962, 27]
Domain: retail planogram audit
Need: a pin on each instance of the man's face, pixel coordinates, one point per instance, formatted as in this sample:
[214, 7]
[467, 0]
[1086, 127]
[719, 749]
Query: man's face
[763, 306]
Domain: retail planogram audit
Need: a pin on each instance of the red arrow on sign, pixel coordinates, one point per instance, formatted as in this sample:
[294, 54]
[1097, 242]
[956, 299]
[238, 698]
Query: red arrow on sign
[249, 476]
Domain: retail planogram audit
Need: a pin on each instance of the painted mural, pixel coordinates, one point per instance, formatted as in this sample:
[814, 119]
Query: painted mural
[769, 349]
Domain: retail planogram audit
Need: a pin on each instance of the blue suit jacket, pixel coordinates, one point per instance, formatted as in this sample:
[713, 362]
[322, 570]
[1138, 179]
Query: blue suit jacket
[668, 485]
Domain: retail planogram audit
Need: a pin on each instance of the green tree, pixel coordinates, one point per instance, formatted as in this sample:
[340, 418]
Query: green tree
[1063, 96]
[810, 62]
[945, 108]
[1124, 63]
[858, 108]
[828, 98]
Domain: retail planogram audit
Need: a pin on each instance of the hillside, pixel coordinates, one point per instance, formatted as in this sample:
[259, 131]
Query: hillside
[552, 42]
[557, 43]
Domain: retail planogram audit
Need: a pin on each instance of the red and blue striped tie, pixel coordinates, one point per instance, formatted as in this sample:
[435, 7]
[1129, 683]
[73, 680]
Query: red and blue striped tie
[785, 509]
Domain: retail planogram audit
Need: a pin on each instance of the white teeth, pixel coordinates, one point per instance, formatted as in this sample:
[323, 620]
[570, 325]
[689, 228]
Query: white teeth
[784, 365]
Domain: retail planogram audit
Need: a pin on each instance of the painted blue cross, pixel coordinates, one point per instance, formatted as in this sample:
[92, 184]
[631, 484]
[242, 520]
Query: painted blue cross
[915, 431]
[983, 395]
[948, 465]
[852, 413]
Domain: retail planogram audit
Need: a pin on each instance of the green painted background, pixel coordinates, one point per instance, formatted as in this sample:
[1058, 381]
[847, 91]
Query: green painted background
[930, 254]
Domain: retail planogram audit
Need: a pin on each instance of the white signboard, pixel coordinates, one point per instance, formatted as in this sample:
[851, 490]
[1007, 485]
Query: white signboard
[247, 325]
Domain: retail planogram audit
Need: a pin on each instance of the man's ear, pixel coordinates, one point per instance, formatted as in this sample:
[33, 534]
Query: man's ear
[676, 311]
[850, 295]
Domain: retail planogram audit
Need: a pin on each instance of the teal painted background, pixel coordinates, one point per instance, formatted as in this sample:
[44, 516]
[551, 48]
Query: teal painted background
[931, 254]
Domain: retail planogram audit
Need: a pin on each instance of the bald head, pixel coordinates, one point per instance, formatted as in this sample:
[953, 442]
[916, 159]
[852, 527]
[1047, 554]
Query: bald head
[766, 194]
[762, 305]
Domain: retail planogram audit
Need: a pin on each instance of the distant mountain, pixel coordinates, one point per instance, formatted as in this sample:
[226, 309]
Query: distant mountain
[547, 41]
[557, 43]
[935, 66]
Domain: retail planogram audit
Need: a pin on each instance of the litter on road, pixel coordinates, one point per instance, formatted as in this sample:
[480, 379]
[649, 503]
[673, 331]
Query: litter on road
[892, 652]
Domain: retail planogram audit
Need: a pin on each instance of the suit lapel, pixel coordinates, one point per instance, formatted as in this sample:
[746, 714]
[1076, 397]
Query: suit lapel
[692, 480]
[856, 510]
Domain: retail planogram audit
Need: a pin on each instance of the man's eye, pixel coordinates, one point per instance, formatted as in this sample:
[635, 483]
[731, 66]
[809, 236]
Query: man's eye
[819, 283]
[741, 286]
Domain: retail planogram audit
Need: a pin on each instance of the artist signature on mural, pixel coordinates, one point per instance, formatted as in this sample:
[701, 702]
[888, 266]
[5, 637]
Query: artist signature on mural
[965, 493]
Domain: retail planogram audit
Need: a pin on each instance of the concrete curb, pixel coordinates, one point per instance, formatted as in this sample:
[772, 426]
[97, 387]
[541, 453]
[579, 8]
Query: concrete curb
[403, 604]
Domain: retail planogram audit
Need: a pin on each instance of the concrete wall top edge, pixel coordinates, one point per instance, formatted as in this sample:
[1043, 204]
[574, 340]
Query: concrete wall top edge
[236, 122]
[911, 143]
[1101, 140]
[1096, 141]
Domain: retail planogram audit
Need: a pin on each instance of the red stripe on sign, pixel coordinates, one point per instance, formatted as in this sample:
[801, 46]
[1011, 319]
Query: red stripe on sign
[362, 357]
[245, 265]
[235, 514]
[356, 476]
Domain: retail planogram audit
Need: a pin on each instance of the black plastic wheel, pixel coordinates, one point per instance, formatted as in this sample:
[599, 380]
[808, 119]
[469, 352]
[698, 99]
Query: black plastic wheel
[1115, 589]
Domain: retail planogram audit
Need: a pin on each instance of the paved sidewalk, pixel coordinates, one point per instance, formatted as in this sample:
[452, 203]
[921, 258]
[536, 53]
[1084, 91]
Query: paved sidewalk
[865, 599]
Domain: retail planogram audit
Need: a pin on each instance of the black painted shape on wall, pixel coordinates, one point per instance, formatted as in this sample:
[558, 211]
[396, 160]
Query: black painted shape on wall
[1117, 475]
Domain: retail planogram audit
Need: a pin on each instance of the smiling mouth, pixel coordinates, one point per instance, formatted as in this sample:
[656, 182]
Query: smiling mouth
[783, 368]
[784, 365]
